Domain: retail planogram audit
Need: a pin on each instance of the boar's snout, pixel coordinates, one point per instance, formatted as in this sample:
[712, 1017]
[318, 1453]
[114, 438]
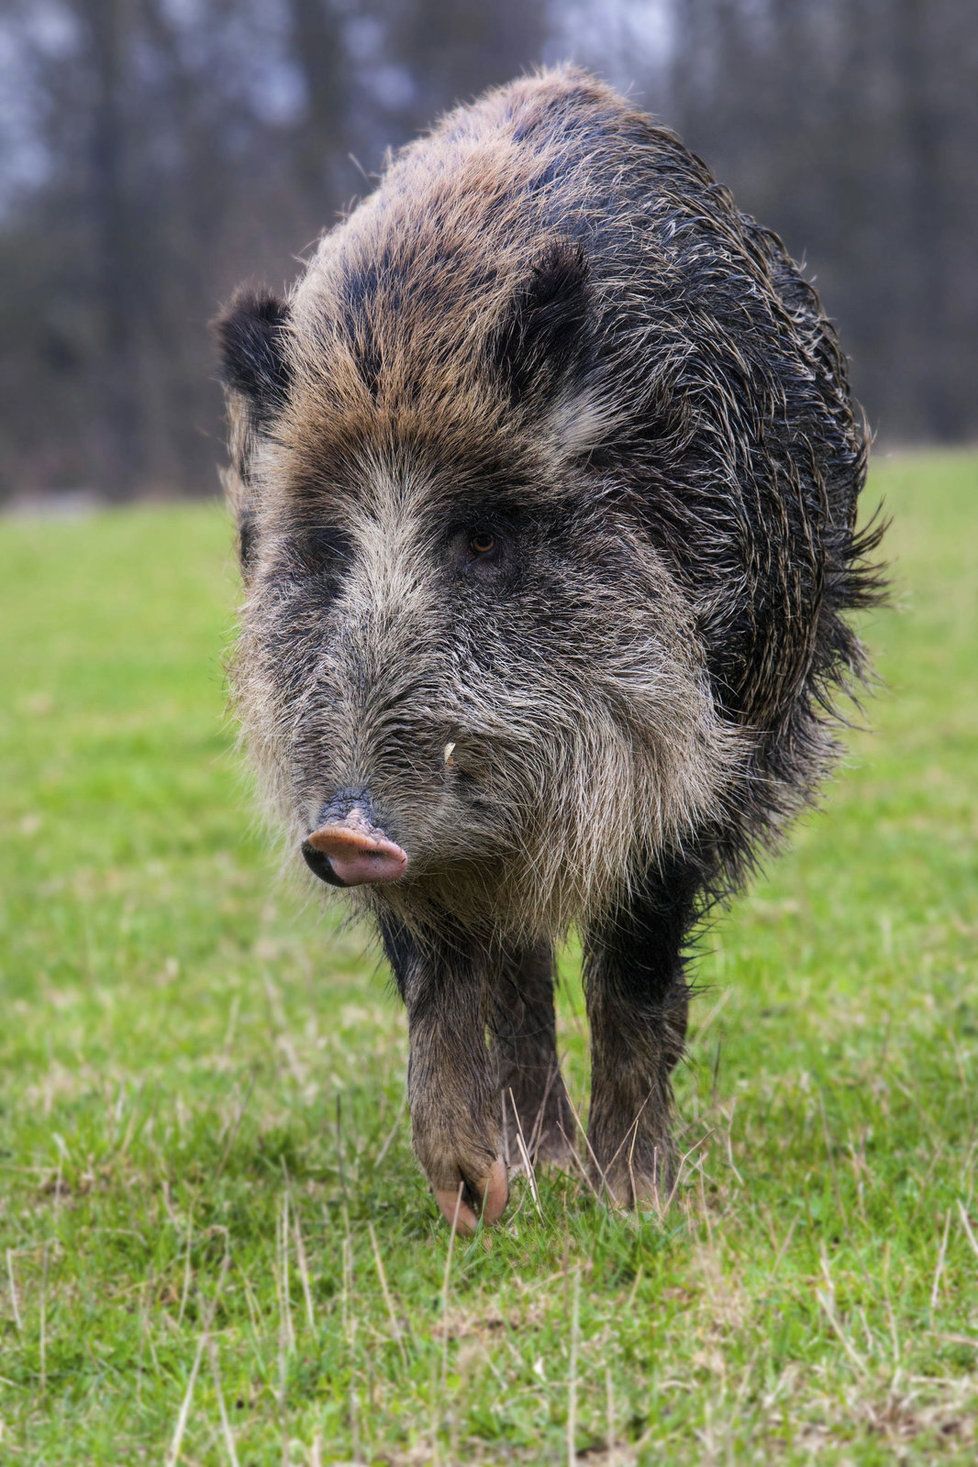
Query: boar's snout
[349, 847]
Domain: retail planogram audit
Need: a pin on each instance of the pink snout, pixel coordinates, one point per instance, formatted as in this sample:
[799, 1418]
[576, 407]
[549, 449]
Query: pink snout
[351, 852]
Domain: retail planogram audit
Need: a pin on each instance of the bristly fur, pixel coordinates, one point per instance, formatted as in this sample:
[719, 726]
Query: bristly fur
[551, 321]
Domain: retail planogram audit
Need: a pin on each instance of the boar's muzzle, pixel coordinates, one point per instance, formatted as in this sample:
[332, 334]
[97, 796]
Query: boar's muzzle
[349, 848]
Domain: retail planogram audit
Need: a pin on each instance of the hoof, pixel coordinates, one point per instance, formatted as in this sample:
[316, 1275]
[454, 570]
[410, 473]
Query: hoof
[464, 1206]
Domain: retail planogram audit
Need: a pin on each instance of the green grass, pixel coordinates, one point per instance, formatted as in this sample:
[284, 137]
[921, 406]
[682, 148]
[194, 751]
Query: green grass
[207, 1199]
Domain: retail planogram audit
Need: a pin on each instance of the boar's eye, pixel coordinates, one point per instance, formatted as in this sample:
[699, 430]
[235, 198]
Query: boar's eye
[482, 544]
[480, 549]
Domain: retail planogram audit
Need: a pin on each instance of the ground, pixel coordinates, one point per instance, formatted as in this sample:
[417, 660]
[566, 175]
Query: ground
[215, 1243]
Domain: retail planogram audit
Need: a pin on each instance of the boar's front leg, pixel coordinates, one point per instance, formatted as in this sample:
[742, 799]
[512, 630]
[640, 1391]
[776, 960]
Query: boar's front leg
[452, 1085]
[637, 1001]
[535, 1107]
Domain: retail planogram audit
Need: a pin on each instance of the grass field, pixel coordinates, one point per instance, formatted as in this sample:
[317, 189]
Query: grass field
[216, 1246]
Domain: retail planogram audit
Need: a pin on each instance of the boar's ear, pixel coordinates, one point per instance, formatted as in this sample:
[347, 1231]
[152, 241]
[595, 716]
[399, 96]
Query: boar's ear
[543, 338]
[255, 372]
[249, 333]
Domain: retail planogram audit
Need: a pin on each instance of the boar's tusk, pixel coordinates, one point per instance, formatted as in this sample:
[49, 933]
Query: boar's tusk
[449, 751]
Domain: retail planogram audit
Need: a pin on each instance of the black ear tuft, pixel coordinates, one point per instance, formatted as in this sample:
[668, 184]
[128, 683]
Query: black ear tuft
[249, 333]
[247, 537]
[543, 340]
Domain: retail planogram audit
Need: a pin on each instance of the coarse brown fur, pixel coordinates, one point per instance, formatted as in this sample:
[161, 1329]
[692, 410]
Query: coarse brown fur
[548, 330]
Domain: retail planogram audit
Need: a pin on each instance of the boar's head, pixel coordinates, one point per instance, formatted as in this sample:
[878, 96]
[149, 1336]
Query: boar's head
[472, 688]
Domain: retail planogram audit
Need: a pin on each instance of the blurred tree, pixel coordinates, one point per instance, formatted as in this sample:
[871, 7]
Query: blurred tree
[850, 126]
[452, 51]
[319, 46]
[154, 152]
[106, 52]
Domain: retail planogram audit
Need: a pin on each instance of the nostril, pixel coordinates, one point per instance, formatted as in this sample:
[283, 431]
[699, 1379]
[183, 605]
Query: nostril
[319, 864]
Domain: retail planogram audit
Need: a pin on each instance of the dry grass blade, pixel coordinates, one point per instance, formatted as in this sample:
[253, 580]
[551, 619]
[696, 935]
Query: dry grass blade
[180, 1427]
[939, 1267]
[575, 1340]
[42, 1326]
[388, 1139]
[826, 1300]
[585, 1171]
[438, 1394]
[187, 1269]
[286, 1326]
[303, 1265]
[226, 1431]
[525, 1157]
[966, 1224]
[176, 1441]
[385, 1290]
[15, 1307]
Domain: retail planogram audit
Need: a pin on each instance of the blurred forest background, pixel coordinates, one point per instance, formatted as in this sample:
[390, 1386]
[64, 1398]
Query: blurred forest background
[153, 153]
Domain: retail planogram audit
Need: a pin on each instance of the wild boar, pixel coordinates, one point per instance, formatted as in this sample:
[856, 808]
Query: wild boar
[545, 474]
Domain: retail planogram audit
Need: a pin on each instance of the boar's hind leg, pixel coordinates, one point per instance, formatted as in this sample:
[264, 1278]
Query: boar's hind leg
[536, 1111]
[452, 1086]
[637, 1001]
